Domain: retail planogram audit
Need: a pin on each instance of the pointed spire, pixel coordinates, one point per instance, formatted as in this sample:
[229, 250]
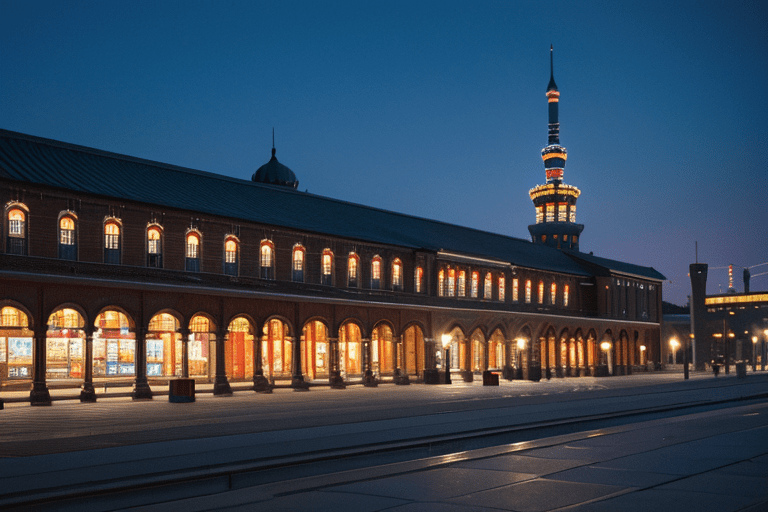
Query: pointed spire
[552, 85]
[273, 142]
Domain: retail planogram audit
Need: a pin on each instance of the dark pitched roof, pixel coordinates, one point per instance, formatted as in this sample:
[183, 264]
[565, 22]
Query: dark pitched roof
[48, 162]
[604, 266]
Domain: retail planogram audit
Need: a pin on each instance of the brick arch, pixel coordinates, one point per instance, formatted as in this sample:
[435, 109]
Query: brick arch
[21, 307]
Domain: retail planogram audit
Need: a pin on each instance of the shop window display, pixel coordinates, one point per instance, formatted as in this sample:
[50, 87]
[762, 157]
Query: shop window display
[16, 342]
[238, 350]
[383, 350]
[276, 353]
[413, 351]
[200, 344]
[315, 350]
[64, 348]
[163, 346]
[114, 346]
[350, 350]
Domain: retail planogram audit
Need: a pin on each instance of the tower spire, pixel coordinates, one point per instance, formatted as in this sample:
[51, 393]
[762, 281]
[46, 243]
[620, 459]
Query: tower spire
[273, 142]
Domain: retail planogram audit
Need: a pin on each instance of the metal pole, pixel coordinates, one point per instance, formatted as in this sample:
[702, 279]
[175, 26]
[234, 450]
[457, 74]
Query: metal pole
[686, 342]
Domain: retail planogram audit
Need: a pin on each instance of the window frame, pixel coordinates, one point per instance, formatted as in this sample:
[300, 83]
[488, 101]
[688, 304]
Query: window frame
[155, 259]
[397, 275]
[267, 268]
[297, 274]
[17, 243]
[113, 242]
[353, 281]
[326, 267]
[67, 248]
[376, 281]
[192, 260]
[231, 268]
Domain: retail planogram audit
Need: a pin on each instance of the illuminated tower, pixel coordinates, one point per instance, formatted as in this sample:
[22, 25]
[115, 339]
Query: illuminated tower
[555, 202]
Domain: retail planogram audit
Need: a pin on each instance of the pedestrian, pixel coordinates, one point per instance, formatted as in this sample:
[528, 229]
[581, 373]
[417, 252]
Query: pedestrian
[715, 367]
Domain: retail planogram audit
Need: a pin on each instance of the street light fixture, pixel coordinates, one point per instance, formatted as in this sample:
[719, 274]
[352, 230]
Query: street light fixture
[762, 359]
[520, 348]
[606, 346]
[446, 339]
[674, 344]
[754, 353]
[643, 348]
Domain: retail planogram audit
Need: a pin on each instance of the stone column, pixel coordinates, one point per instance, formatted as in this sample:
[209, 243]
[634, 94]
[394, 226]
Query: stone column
[39, 395]
[369, 380]
[141, 389]
[87, 393]
[335, 374]
[297, 377]
[401, 378]
[260, 382]
[221, 385]
[184, 353]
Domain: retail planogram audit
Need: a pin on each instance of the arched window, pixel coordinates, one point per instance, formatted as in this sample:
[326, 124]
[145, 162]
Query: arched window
[515, 289]
[474, 285]
[231, 256]
[297, 267]
[67, 238]
[418, 280]
[154, 247]
[267, 260]
[488, 287]
[17, 231]
[353, 262]
[326, 274]
[565, 296]
[397, 275]
[528, 292]
[553, 294]
[541, 292]
[112, 242]
[441, 283]
[192, 259]
[462, 284]
[376, 273]
[451, 284]
[502, 288]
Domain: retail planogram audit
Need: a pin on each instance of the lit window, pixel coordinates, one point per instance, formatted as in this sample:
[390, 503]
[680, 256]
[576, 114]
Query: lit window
[16, 223]
[474, 285]
[553, 294]
[376, 273]
[565, 296]
[573, 214]
[575, 239]
[326, 277]
[397, 275]
[267, 260]
[441, 283]
[112, 243]
[543, 238]
[550, 212]
[515, 290]
[539, 214]
[502, 288]
[297, 270]
[67, 231]
[154, 248]
[352, 264]
[565, 238]
[541, 292]
[192, 259]
[418, 278]
[462, 283]
[528, 292]
[451, 282]
[488, 288]
[562, 212]
[230, 251]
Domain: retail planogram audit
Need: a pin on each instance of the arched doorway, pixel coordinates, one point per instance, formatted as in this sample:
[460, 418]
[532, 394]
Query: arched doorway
[413, 351]
[238, 350]
[65, 346]
[497, 358]
[201, 345]
[383, 350]
[350, 350]
[163, 341]
[16, 343]
[114, 345]
[276, 349]
[315, 350]
[478, 361]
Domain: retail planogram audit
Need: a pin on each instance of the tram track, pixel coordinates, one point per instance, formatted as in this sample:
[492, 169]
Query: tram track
[152, 487]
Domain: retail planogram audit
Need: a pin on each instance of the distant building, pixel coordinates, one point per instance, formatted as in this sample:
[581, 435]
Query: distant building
[114, 268]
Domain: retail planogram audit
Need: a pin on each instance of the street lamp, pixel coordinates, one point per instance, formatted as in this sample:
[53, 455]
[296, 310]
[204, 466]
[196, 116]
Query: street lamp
[754, 353]
[643, 348]
[520, 348]
[446, 339]
[674, 344]
[606, 346]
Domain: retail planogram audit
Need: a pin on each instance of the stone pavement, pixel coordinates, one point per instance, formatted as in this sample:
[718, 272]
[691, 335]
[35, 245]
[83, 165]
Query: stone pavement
[711, 461]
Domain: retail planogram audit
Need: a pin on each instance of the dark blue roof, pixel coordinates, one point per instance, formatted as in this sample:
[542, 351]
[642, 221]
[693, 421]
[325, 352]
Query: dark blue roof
[48, 162]
[275, 173]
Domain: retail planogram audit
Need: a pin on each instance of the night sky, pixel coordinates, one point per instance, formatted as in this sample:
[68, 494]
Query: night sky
[435, 109]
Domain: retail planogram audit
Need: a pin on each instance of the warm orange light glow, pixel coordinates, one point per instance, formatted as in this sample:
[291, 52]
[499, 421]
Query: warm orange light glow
[736, 299]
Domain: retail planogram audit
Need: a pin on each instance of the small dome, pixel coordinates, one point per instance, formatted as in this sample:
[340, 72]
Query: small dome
[275, 173]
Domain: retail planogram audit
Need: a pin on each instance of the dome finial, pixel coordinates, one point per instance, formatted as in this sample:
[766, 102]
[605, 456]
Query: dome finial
[552, 85]
[273, 142]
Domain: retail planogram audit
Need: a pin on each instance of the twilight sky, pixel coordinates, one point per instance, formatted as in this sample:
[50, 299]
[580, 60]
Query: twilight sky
[431, 108]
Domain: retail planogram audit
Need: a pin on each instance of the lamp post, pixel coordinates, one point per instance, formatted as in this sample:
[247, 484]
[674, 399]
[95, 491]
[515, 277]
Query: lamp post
[642, 355]
[606, 346]
[520, 348]
[762, 358]
[674, 344]
[446, 339]
[754, 353]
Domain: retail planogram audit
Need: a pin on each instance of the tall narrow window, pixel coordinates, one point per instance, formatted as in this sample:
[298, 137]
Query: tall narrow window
[528, 292]
[562, 212]
[488, 288]
[474, 285]
[553, 294]
[67, 238]
[573, 213]
[565, 295]
[297, 268]
[451, 282]
[462, 283]
[550, 212]
[441, 283]
[541, 292]
[231, 256]
[539, 214]
[515, 290]
[397, 275]
[112, 243]
[418, 280]
[376, 273]
[192, 259]
[502, 288]
[267, 267]
[353, 262]
[326, 276]
[154, 247]
[17, 232]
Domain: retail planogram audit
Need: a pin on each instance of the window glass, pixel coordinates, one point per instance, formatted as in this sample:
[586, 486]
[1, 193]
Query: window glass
[565, 295]
[553, 294]
[111, 236]
[153, 241]
[550, 212]
[418, 276]
[16, 219]
[397, 274]
[528, 292]
[327, 261]
[352, 264]
[266, 255]
[539, 214]
[541, 292]
[441, 283]
[474, 285]
[488, 288]
[451, 282]
[573, 215]
[230, 251]
[298, 259]
[502, 288]
[515, 290]
[193, 246]
[562, 212]
[67, 231]
[376, 273]
[462, 283]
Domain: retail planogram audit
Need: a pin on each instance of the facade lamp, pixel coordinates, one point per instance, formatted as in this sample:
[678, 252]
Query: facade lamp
[754, 353]
[446, 339]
